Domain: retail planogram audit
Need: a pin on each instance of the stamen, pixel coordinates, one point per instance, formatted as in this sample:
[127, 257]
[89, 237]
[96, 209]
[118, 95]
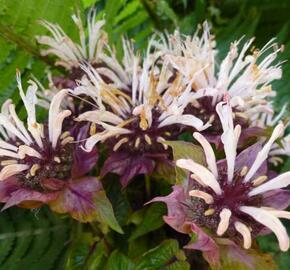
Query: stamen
[147, 139]
[244, 171]
[34, 169]
[209, 212]
[57, 159]
[203, 195]
[167, 133]
[161, 140]
[225, 215]
[279, 181]
[67, 140]
[64, 135]
[258, 181]
[211, 119]
[8, 162]
[137, 142]
[119, 143]
[245, 232]
[93, 129]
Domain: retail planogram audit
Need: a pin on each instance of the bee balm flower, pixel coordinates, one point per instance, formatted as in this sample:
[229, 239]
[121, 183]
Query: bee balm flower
[234, 198]
[135, 125]
[40, 165]
[243, 77]
[71, 55]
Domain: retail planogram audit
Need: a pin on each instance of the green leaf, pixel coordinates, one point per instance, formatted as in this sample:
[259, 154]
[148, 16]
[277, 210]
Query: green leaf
[152, 220]
[118, 261]
[178, 266]
[31, 240]
[188, 151]
[162, 257]
[97, 259]
[260, 261]
[18, 27]
[118, 198]
[105, 213]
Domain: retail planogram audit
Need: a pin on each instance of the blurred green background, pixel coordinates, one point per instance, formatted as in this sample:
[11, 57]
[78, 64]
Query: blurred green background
[26, 236]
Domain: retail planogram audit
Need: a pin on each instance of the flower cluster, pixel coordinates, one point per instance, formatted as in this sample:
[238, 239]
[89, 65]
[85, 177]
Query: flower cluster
[133, 107]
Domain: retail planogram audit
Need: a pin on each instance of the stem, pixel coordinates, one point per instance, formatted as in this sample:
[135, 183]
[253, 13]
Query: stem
[148, 186]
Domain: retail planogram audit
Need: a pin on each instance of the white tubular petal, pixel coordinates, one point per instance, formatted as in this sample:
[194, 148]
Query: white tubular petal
[54, 110]
[29, 151]
[8, 146]
[19, 124]
[100, 116]
[203, 195]
[57, 126]
[229, 137]
[245, 232]
[4, 121]
[186, 119]
[7, 153]
[280, 181]
[269, 220]
[279, 213]
[209, 153]
[225, 216]
[263, 154]
[93, 140]
[11, 170]
[203, 173]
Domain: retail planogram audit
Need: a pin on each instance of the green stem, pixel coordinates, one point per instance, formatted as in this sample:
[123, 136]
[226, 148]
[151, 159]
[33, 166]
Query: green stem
[148, 186]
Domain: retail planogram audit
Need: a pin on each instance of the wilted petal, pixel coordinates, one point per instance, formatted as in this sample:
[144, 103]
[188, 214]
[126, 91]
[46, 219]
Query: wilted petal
[78, 198]
[28, 198]
[203, 243]
[175, 209]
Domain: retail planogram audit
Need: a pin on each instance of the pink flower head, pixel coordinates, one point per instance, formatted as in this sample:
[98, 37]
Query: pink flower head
[39, 163]
[234, 198]
[135, 120]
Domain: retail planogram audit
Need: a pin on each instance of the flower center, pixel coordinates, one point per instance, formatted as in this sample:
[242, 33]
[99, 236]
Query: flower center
[234, 195]
[149, 140]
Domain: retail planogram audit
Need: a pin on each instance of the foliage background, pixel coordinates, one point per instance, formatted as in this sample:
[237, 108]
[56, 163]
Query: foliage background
[40, 240]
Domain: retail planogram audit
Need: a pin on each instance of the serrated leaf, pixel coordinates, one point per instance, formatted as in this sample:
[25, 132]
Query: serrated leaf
[118, 261]
[159, 257]
[152, 220]
[254, 260]
[188, 151]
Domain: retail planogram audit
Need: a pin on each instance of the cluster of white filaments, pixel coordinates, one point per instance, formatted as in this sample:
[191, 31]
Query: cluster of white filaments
[157, 100]
[24, 150]
[244, 78]
[228, 198]
[71, 54]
